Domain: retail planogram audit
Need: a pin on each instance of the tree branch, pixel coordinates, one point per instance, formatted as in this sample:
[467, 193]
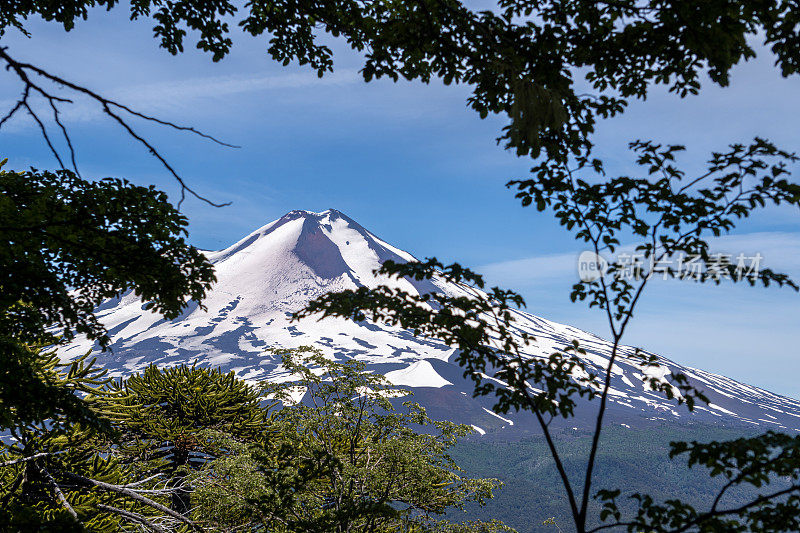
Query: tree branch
[25, 459]
[134, 496]
[130, 515]
[60, 494]
[109, 107]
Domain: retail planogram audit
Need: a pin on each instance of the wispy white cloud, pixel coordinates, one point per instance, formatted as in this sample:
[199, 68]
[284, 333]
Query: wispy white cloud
[188, 91]
[530, 270]
[780, 251]
[183, 95]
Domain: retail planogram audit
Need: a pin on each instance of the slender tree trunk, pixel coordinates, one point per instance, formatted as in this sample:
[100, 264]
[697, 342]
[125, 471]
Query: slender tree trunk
[180, 500]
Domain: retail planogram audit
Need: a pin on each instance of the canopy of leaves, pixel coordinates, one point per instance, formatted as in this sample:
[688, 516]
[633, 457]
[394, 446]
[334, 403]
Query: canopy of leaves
[357, 463]
[672, 214]
[521, 57]
[69, 244]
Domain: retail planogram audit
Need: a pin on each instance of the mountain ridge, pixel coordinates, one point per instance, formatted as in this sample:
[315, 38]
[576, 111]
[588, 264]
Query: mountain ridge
[265, 277]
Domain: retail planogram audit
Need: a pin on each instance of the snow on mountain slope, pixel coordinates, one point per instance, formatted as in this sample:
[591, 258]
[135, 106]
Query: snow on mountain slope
[274, 271]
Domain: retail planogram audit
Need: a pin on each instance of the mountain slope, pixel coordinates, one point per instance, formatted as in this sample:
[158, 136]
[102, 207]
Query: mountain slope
[274, 271]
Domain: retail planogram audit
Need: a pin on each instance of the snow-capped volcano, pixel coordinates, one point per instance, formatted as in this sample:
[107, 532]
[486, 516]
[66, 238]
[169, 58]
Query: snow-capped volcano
[277, 269]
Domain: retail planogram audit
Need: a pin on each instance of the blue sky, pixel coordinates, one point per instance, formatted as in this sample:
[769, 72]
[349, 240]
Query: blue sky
[415, 166]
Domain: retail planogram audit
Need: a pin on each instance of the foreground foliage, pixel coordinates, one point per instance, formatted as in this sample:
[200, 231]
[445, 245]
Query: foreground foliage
[71, 244]
[68, 245]
[354, 462]
[669, 218]
[193, 448]
[58, 475]
[523, 59]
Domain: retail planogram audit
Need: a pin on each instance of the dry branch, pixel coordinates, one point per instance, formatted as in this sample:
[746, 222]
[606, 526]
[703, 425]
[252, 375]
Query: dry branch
[111, 108]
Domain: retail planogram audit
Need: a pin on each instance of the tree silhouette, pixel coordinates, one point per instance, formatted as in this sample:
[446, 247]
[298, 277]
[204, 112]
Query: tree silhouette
[671, 216]
[522, 58]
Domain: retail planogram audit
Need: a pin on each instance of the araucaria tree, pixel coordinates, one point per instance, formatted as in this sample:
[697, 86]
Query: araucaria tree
[56, 474]
[161, 415]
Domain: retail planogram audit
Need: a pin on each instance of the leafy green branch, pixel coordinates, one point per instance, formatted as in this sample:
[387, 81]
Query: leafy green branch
[672, 214]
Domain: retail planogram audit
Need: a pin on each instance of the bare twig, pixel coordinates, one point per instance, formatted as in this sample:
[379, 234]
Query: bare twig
[140, 482]
[11, 112]
[134, 496]
[130, 515]
[60, 494]
[65, 133]
[25, 459]
[111, 108]
[44, 134]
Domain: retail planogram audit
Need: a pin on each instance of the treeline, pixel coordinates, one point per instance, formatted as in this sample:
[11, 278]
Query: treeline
[194, 449]
[636, 458]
